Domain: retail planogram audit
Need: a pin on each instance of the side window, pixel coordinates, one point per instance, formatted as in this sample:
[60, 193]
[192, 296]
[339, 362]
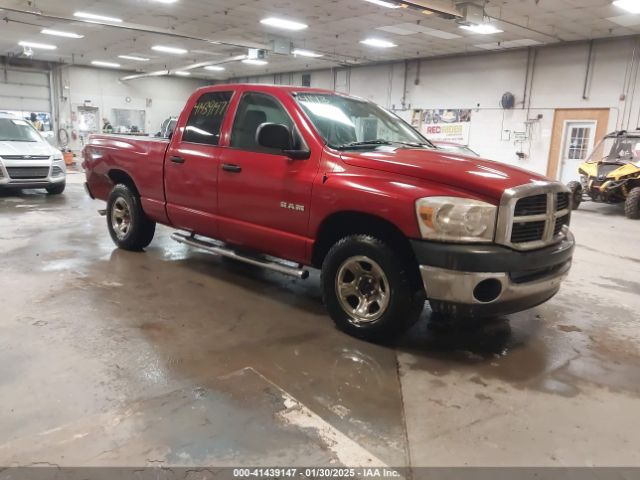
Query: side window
[206, 118]
[255, 109]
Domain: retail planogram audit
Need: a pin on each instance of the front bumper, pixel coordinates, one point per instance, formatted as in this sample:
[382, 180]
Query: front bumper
[7, 182]
[488, 280]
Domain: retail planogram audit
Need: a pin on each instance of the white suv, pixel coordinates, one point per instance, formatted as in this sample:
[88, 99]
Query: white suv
[27, 160]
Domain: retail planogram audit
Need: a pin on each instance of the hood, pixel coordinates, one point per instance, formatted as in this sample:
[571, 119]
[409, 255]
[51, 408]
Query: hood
[484, 177]
[27, 148]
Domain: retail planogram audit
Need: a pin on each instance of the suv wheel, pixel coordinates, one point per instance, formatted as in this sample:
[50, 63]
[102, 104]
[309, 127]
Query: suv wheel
[576, 194]
[56, 189]
[129, 227]
[369, 290]
[632, 204]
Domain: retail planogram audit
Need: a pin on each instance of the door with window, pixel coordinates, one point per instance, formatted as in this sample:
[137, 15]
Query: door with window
[264, 195]
[191, 166]
[579, 138]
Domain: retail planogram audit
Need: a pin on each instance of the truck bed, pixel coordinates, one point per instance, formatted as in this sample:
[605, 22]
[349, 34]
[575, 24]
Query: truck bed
[108, 156]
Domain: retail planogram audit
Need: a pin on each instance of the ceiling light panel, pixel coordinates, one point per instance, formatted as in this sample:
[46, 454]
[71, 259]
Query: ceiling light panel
[482, 29]
[60, 33]
[306, 53]
[383, 3]
[283, 23]
[631, 6]
[378, 43]
[100, 63]
[253, 61]
[96, 17]
[172, 50]
[134, 58]
[214, 68]
[41, 46]
[182, 73]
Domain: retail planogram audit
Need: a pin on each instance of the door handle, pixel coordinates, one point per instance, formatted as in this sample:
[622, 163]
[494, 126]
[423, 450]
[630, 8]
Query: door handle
[229, 167]
[176, 159]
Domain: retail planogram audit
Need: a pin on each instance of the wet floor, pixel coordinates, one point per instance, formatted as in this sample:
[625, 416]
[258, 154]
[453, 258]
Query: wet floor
[176, 357]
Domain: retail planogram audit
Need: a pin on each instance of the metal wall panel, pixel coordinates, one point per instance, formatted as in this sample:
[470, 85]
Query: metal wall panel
[25, 90]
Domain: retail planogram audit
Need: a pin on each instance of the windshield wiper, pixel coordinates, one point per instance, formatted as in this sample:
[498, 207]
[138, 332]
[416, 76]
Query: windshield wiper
[366, 143]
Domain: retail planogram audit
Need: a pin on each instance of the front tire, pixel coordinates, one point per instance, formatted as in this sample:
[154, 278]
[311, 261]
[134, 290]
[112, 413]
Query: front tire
[128, 225]
[370, 291]
[632, 204]
[575, 197]
[56, 189]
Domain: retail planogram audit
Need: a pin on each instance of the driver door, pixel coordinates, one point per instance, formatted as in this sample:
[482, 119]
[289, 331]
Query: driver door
[264, 196]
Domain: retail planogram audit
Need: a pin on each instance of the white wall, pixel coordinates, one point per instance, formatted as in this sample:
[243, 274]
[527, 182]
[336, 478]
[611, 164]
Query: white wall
[76, 86]
[478, 82]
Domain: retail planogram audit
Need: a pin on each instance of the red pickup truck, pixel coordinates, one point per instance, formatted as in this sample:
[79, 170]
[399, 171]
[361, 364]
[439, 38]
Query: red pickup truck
[290, 177]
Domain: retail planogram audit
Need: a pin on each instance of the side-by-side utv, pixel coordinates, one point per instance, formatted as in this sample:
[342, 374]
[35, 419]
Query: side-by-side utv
[611, 174]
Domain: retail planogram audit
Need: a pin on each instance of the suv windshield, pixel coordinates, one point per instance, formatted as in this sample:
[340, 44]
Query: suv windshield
[619, 149]
[350, 123]
[16, 130]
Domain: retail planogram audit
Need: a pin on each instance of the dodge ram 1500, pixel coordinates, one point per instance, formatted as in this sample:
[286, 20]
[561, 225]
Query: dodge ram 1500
[288, 178]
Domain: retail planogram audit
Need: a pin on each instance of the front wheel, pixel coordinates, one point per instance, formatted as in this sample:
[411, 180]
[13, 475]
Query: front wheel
[576, 194]
[632, 204]
[56, 189]
[129, 226]
[369, 290]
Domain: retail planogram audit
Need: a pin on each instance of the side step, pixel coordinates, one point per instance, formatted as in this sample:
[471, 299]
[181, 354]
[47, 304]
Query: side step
[210, 247]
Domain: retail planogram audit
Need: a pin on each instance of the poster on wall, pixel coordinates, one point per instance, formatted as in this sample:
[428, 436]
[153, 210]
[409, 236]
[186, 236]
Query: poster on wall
[444, 125]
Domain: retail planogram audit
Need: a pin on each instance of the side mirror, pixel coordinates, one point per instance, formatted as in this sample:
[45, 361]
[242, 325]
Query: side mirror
[276, 136]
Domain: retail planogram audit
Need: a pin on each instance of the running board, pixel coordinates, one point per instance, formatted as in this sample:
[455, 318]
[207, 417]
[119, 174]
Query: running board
[225, 252]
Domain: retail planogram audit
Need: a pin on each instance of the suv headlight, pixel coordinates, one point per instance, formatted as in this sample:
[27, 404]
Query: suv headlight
[456, 219]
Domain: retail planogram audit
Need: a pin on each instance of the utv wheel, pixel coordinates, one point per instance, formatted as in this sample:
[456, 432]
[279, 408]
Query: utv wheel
[369, 290]
[129, 227]
[632, 204]
[576, 194]
[56, 189]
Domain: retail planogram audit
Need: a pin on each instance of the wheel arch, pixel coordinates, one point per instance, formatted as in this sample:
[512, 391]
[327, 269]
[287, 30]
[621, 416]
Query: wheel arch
[120, 176]
[341, 224]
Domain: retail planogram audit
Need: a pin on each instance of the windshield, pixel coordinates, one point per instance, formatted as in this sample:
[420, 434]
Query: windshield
[16, 130]
[620, 149]
[346, 122]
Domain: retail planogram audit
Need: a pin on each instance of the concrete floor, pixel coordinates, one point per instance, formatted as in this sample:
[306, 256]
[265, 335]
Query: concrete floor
[176, 357]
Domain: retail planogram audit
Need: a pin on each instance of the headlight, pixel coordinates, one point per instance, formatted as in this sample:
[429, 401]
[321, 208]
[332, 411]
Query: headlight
[58, 158]
[456, 219]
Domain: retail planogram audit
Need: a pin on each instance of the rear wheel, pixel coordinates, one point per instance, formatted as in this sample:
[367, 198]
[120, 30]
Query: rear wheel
[369, 290]
[129, 227]
[56, 189]
[576, 194]
[632, 204]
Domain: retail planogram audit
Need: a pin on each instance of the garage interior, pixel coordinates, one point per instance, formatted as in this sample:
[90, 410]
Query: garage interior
[178, 358]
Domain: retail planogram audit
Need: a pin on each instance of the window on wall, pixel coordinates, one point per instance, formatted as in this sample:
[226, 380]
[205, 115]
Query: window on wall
[205, 120]
[580, 140]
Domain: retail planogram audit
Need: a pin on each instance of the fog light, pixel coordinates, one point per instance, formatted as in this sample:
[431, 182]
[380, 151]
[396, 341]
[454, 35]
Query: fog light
[487, 290]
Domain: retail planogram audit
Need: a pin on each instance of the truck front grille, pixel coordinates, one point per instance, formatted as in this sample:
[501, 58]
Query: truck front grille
[28, 173]
[533, 216]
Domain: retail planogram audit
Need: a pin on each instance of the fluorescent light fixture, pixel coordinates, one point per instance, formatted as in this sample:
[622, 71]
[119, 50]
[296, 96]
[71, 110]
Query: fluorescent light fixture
[482, 29]
[214, 68]
[382, 3]
[182, 73]
[173, 50]
[254, 61]
[306, 53]
[158, 73]
[100, 63]
[60, 33]
[93, 16]
[282, 23]
[631, 6]
[378, 42]
[134, 58]
[166, 1]
[42, 46]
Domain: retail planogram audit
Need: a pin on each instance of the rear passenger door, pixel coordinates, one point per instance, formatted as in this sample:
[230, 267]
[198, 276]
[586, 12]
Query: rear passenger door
[191, 166]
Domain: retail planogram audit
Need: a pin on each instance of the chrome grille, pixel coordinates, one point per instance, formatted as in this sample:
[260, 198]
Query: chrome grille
[28, 173]
[533, 216]
[25, 157]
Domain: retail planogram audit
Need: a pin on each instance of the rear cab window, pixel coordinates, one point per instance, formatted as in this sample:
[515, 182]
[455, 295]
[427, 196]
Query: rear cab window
[206, 118]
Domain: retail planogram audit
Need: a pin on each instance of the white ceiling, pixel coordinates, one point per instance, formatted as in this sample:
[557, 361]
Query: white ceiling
[335, 29]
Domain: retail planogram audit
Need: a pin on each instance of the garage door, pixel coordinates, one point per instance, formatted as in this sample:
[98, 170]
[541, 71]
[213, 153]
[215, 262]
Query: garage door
[26, 91]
